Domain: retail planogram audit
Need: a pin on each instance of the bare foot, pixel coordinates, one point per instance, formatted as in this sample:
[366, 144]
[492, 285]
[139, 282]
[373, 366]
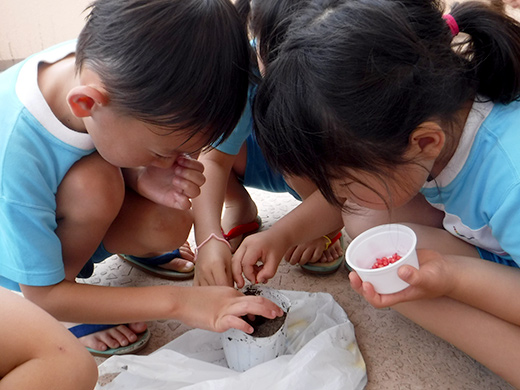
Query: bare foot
[314, 252]
[119, 336]
[332, 253]
[183, 264]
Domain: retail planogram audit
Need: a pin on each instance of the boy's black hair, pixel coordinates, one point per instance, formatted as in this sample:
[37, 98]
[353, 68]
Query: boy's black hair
[352, 80]
[177, 64]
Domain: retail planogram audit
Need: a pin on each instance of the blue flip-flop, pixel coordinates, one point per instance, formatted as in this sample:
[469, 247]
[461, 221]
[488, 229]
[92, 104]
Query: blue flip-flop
[151, 265]
[86, 329]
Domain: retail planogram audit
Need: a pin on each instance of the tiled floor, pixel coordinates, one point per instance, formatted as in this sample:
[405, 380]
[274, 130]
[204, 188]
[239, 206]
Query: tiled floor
[398, 353]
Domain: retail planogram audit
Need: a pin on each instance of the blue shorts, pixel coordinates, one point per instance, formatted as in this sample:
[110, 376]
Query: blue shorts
[486, 255]
[99, 255]
[260, 175]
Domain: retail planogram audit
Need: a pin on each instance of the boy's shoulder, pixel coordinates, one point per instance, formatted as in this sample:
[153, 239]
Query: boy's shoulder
[18, 75]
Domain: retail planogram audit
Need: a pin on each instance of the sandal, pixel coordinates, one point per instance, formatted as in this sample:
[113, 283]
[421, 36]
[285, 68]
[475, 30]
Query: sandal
[86, 329]
[243, 230]
[150, 265]
[326, 268]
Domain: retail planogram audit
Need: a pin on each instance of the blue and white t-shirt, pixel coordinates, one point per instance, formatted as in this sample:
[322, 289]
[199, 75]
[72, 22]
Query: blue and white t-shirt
[479, 189]
[36, 151]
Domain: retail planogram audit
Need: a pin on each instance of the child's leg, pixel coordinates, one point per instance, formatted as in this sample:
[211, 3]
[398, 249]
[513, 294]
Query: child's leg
[492, 341]
[93, 206]
[38, 352]
[239, 207]
[312, 252]
[88, 200]
[146, 229]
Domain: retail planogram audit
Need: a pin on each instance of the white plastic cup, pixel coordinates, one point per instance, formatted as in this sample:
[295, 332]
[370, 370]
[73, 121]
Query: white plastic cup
[384, 240]
[244, 351]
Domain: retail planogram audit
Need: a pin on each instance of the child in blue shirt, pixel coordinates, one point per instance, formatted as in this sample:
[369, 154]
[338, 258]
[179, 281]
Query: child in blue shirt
[396, 121]
[95, 159]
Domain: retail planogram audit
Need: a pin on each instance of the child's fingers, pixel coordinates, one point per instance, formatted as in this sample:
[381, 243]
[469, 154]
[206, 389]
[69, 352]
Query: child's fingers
[191, 175]
[190, 163]
[186, 188]
[235, 322]
[248, 305]
[258, 306]
[409, 274]
[267, 271]
[236, 268]
[355, 281]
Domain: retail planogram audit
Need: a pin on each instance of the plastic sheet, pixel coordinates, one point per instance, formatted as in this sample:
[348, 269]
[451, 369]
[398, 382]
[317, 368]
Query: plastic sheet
[322, 354]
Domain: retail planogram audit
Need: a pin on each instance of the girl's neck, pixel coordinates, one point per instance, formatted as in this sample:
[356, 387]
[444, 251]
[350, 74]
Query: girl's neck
[453, 135]
[55, 81]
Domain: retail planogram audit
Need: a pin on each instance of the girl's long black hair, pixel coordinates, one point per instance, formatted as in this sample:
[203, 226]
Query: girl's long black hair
[353, 79]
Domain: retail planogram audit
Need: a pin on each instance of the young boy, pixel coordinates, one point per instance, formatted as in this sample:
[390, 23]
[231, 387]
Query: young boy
[148, 83]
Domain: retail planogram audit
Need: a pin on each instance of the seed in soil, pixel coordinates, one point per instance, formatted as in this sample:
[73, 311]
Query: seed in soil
[384, 261]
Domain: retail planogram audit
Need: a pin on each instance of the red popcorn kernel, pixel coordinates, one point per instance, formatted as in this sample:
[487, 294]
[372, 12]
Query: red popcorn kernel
[384, 261]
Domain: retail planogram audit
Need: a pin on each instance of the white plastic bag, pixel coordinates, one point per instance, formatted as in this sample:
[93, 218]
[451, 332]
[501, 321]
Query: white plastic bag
[322, 354]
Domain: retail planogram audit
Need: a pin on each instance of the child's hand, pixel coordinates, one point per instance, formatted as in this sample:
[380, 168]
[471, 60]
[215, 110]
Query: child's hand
[174, 186]
[213, 265]
[263, 247]
[220, 308]
[431, 280]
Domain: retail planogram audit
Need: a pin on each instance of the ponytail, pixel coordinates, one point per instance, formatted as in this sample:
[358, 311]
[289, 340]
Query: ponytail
[494, 49]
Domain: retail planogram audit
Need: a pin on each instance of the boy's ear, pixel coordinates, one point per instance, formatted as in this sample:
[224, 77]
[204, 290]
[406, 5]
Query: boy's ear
[427, 141]
[83, 98]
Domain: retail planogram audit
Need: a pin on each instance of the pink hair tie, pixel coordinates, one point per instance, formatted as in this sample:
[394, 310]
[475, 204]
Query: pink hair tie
[452, 24]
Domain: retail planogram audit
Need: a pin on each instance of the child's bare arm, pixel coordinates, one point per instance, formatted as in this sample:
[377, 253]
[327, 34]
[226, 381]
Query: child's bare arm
[214, 258]
[212, 308]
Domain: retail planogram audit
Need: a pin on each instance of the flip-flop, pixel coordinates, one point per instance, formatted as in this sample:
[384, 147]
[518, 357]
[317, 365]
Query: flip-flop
[86, 329]
[150, 265]
[243, 230]
[326, 268]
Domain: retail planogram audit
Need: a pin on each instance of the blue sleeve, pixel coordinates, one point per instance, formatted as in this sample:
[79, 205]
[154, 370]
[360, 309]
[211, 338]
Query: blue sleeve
[31, 250]
[243, 129]
[505, 224]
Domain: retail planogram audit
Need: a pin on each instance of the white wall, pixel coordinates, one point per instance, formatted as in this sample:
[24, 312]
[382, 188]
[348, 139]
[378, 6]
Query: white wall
[28, 26]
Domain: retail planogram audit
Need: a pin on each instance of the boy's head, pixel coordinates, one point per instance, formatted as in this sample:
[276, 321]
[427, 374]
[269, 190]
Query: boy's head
[173, 64]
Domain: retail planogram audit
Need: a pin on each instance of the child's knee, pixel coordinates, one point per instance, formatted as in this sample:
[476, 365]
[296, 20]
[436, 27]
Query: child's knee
[78, 366]
[92, 188]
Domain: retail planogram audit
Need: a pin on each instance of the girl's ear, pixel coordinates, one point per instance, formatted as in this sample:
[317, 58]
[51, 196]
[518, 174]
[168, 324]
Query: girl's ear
[83, 98]
[426, 141]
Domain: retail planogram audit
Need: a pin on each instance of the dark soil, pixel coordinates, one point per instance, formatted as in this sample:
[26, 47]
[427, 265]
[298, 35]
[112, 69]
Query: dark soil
[263, 327]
